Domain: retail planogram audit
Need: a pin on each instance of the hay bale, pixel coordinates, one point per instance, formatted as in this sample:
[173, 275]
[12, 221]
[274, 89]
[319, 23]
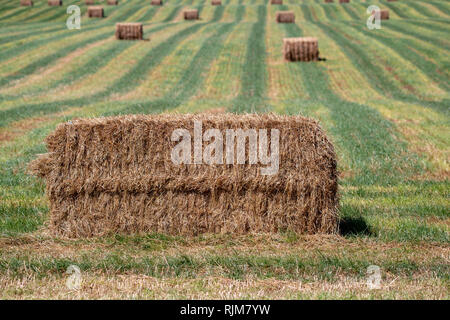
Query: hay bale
[112, 2]
[344, 1]
[190, 14]
[156, 3]
[276, 1]
[384, 14]
[301, 49]
[216, 2]
[95, 12]
[116, 175]
[285, 17]
[54, 3]
[129, 31]
[89, 2]
[26, 3]
[329, 1]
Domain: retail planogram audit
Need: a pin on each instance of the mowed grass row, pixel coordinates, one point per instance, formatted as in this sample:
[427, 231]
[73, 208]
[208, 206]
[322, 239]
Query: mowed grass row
[382, 97]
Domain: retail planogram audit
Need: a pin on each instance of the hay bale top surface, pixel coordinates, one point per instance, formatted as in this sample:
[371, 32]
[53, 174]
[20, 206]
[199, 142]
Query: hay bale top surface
[95, 8]
[191, 10]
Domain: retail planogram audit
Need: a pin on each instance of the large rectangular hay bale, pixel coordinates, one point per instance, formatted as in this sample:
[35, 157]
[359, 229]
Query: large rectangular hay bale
[129, 31]
[26, 3]
[216, 2]
[276, 1]
[384, 14]
[116, 175]
[301, 49]
[156, 3]
[285, 17]
[54, 3]
[190, 14]
[95, 12]
[112, 2]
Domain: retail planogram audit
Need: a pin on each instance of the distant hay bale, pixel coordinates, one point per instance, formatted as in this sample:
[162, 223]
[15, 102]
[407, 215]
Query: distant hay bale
[276, 1]
[190, 14]
[344, 1]
[95, 12]
[129, 31]
[54, 3]
[26, 3]
[112, 2]
[116, 175]
[216, 2]
[329, 1]
[285, 17]
[384, 14]
[301, 49]
[156, 3]
[89, 2]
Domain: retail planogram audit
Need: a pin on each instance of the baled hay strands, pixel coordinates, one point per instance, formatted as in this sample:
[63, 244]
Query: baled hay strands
[112, 2]
[301, 49]
[54, 3]
[190, 14]
[384, 14]
[95, 12]
[344, 1]
[115, 174]
[129, 31]
[216, 2]
[285, 17]
[26, 3]
[276, 1]
[156, 3]
[88, 2]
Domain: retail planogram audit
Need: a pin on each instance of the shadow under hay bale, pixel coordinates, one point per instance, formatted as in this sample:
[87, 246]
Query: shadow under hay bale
[26, 3]
[95, 12]
[191, 14]
[285, 17]
[129, 31]
[276, 1]
[112, 2]
[301, 49]
[116, 175]
[156, 3]
[216, 2]
[384, 14]
[54, 3]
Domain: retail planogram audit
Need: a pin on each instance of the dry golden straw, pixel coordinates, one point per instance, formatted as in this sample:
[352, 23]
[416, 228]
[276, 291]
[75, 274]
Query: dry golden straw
[129, 31]
[115, 175]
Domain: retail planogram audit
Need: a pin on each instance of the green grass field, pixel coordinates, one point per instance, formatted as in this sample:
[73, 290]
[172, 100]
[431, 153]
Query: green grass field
[383, 97]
